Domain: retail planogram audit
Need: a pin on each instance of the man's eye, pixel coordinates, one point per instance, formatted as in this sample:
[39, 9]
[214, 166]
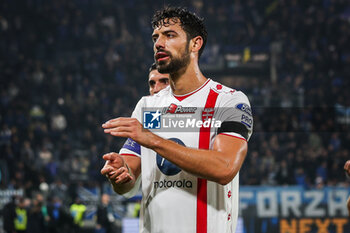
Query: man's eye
[165, 81]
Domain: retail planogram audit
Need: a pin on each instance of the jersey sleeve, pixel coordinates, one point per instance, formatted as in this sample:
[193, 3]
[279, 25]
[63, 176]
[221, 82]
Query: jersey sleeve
[135, 189]
[131, 147]
[137, 113]
[235, 115]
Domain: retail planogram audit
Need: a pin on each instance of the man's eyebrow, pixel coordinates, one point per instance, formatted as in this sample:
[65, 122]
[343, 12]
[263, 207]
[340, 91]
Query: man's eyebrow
[164, 32]
[167, 31]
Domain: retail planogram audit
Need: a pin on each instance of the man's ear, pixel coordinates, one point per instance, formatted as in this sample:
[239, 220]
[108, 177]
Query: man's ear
[196, 43]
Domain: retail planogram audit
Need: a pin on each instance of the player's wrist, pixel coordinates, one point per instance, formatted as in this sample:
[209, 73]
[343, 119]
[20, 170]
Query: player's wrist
[124, 187]
[155, 142]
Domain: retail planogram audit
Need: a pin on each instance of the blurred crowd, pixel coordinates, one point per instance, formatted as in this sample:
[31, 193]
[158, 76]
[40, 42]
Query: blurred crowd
[67, 66]
[301, 135]
[39, 214]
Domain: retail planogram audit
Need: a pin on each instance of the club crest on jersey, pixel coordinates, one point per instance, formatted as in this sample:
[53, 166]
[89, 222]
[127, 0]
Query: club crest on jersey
[178, 109]
[207, 114]
[152, 119]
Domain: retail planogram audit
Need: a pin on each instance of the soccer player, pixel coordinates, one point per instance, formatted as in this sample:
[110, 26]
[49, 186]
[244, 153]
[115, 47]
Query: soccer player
[156, 80]
[189, 179]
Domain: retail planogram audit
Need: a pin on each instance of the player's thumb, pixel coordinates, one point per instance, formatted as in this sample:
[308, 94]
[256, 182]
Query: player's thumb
[111, 156]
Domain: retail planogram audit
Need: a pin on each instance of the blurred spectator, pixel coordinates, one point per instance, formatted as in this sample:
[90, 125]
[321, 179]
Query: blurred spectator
[9, 215]
[45, 156]
[104, 215]
[59, 217]
[36, 220]
[42, 203]
[321, 171]
[300, 178]
[58, 189]
[21, 219]
[284, 174]
[77, 211]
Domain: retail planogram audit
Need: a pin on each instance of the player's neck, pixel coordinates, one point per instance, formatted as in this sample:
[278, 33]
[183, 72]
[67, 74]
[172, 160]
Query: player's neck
[187, 80]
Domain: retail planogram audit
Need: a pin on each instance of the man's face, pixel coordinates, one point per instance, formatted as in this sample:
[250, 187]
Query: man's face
[157, 81]
[171, 47]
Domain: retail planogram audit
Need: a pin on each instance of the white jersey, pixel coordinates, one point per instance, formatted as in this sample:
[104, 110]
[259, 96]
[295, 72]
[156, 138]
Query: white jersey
[174, 200]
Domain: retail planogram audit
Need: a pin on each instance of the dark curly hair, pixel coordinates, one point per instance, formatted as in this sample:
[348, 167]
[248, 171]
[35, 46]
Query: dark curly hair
[190, 22]
[153, 67]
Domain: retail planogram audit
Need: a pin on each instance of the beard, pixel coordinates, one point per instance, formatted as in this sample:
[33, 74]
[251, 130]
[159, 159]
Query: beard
[175, 63]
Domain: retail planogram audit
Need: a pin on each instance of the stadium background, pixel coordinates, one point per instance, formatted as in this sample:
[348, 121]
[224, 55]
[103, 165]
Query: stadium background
[66, 66]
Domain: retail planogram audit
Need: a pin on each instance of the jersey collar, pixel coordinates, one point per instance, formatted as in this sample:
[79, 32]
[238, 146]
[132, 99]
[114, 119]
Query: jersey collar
[182, 97]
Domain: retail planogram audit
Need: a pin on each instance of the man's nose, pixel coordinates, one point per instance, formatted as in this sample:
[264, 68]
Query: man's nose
[157, 88]
[160, 43]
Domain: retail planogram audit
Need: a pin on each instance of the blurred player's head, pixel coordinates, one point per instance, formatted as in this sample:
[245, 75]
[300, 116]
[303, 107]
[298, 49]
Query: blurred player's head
[156, 80]
[177, 34]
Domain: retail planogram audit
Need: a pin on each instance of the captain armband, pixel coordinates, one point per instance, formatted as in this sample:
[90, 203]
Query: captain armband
[233, 127]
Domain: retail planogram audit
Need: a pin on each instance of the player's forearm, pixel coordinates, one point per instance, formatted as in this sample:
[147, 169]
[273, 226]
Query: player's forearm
[213, 165]
[122, 188]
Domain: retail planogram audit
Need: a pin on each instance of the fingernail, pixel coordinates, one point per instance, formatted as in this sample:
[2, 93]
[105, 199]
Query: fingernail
[111, 173]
